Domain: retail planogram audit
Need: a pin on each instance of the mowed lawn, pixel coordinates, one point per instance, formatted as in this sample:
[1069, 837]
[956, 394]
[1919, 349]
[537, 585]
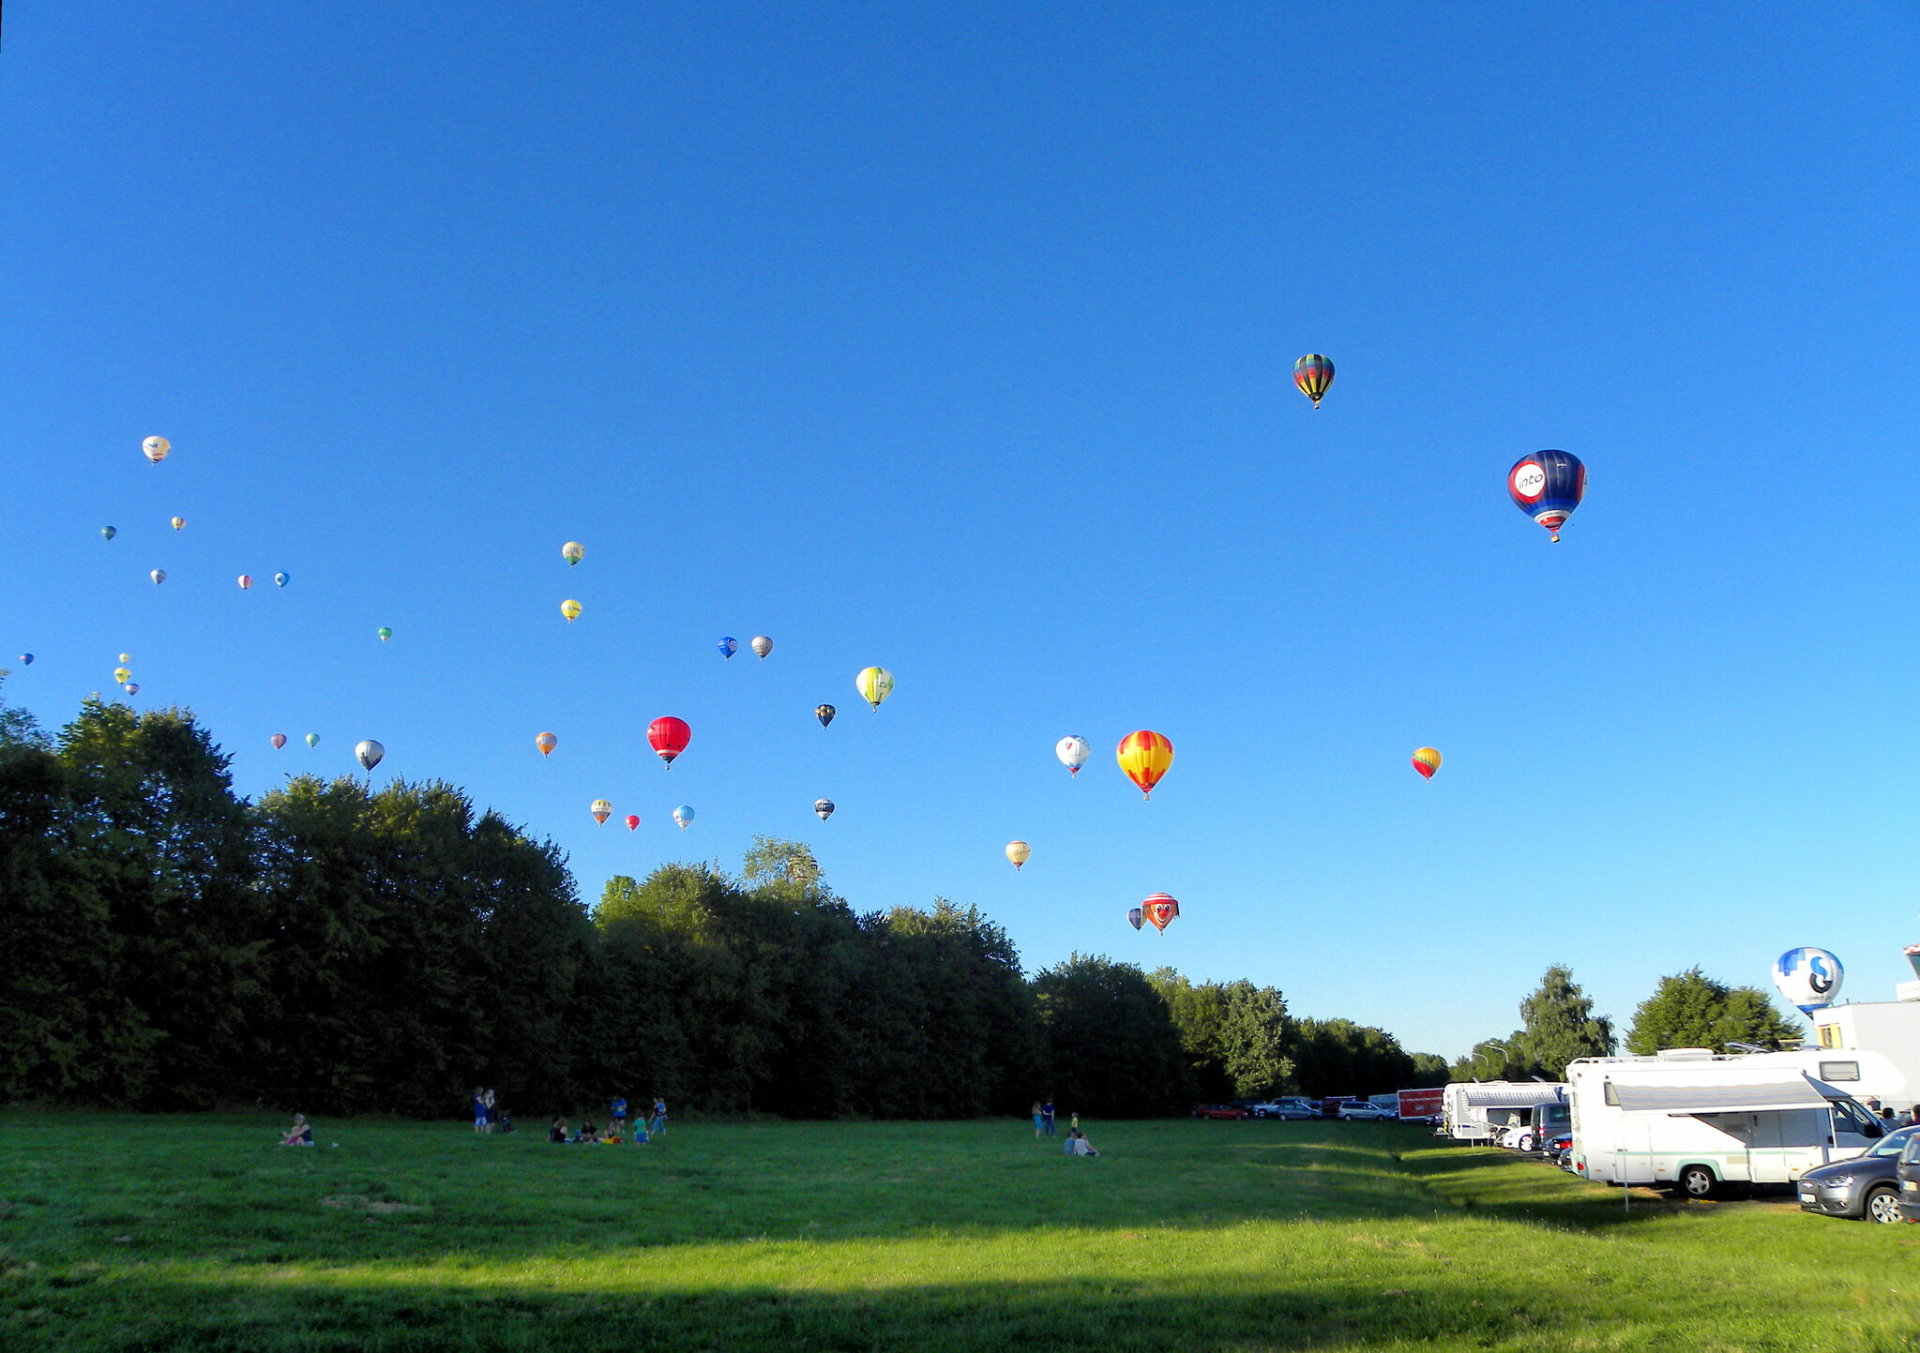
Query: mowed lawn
[197, 1232]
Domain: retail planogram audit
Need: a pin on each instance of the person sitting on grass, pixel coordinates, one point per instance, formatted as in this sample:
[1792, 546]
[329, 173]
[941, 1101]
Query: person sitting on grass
[587, 1133]
[558, 1132]
[1078, 1145]
[300, 1134]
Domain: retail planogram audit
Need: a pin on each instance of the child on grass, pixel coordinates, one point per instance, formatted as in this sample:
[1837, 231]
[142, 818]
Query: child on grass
[300, 1134]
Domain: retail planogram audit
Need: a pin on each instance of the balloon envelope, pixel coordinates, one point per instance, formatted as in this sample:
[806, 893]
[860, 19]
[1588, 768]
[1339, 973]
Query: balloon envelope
[122, 675]
[601, 810]
[573, 552]
[570, 609]
[1809, 978]
[278, 740]
[1548, 486]
[1160, 910]
[1145, 756]
[728, 646]
[1073, 752]
[108, 533]
[874, 684]
[1136, 917]
[313, 739]
[246, 581]
[131, 688]
[1427, 761]
[683, 815]
[824, 807]
[368, 753]
[386, 633]
[1313, 374]
[1019, 852]
[761, 646]
[279, 580]
[824, 713]
[633, 820]
[546, 742]
[669, 736]
[156, 448]
[179, 522]
[159, 576]
[26, 659]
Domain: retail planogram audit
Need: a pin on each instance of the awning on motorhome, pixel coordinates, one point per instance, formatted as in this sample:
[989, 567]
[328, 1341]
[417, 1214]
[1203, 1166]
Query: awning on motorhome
[1495, 1095]
[1799, 1093]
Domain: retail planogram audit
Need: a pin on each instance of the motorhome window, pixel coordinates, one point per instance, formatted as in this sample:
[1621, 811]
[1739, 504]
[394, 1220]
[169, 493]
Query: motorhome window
[1839, 1071]
[1830, 1036]
[1850, 1117]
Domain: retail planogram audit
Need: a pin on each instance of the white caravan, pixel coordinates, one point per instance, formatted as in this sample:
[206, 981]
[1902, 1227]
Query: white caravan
[1693, 1119]
[1479, 1111]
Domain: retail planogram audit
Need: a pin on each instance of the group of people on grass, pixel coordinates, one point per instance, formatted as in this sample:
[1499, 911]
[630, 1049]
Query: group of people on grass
[488, 1116]
[1077, 1143]
[644, 1129]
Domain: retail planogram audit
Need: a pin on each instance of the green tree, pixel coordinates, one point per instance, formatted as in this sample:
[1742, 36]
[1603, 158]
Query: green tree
[1691, 1010]
[1558, 1026]
[1112, 1041]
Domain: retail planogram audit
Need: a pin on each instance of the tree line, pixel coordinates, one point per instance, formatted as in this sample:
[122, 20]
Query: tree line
[340, 949]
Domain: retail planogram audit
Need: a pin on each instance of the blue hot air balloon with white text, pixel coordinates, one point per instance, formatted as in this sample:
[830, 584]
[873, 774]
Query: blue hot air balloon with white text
[1809, 978]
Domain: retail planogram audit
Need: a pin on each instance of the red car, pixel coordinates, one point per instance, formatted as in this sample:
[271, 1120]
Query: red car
[1221, 1111]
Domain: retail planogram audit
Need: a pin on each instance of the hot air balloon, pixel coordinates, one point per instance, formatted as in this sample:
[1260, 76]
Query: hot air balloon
[546, 742]
[1145, 756]
[1073, 752]
[108, 533]
[156, 448]
[728, 646]
[179, 522]
[1313, 374]
[1427, 761]
[1809, 978]
[601, 810]
[126, 658]
[683, 815]
[824, 807]
[159, 576]
[570, 609]
[386, 633]
[573, 552]
[313, 739]
[669, 736]
[1160, 910]
[368, 753]
[633, 820]
[874, 684]
[1019, 852]
[131, 688]
[1136, 917]
[26, 659]
[824, 713]
[279, 580]
[761, 646]
[122, 675]
[1548, 486]
[246, 582]
[278, 740]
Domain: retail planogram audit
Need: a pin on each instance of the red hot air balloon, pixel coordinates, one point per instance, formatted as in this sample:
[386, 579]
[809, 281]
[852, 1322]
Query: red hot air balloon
[633, 820]
[278, 740]
[669, 736]
[1160, 909]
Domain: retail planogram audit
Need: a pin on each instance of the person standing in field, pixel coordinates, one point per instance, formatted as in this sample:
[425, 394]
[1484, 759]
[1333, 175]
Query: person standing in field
[658, 1127]
[492, 1116]
[1039, 1122]
[1046, 1114]
[619, 1115]
[479, 1109]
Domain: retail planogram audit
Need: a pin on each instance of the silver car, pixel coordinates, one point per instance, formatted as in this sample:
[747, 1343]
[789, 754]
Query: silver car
[1865, 1186]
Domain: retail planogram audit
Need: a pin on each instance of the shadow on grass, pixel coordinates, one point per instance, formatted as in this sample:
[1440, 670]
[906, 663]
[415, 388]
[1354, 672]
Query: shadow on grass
[1491, 1182]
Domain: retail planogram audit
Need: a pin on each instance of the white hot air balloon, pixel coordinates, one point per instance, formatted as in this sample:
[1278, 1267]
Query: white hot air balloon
[824, 807]
[761, 646]
[155, 449]
[368, 754]
[1073, 751]
[1809, 978]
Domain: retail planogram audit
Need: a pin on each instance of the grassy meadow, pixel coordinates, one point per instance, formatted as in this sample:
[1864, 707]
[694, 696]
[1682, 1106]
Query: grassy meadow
[198, 1232]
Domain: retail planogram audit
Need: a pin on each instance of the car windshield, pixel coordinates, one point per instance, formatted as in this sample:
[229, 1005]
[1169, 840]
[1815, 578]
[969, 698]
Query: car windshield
[1893, 1143]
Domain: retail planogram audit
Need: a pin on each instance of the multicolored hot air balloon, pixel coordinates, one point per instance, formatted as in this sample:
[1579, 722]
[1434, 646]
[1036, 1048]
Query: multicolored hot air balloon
[824, 807]
[874, 684]
[280, 580]
[546, 742]
[278, 740]
[108, 533]
[570, 609]
[761, 646]
[1548, 486]
[824, 713]
[683, 815]
[1145, 756]
[1313, 374]
[1160, 909]
[159, 576]
[669, 736]
[728, 646]
[1136, 917]
[313, 739]
[1427, 761]
[1073, 752]
[131, 688]
[601, 810]
[386, 633]
[368, 753]
[156, 448]
[26, 659]
[1809, 978]
[246, 582]
[573, 552]
[633, 820]
[179, 522]
[1019, 852]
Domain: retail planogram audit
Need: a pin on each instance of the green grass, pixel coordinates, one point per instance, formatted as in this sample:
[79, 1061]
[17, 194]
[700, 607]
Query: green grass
[122, 1232]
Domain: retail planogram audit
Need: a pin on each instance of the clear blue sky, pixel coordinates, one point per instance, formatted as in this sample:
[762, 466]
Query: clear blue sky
[958, 338]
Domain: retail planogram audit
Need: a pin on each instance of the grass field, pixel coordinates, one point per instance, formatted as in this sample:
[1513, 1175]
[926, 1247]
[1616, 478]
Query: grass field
[123, 1232]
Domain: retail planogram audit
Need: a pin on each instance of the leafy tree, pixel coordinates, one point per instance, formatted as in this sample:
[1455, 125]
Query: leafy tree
[1691, 1010]
[1114, 1046]
[1559, 1026]
[1429, 1069]
[1339, 1057]
[1254, 1034]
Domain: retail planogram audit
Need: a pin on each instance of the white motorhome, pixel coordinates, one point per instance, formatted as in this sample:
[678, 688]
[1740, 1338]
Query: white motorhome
[1693, 1119]
[1479, 1111]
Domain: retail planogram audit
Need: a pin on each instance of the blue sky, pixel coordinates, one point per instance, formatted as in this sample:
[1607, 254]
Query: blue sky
[958, 339]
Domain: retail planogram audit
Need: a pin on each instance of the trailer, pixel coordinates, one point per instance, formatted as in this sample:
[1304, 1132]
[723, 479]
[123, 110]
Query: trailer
[1421, 1106]
[1693, 1119]
[1479, 1111]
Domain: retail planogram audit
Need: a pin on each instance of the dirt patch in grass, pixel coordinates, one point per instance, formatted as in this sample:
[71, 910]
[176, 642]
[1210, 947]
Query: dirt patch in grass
[359, 1202]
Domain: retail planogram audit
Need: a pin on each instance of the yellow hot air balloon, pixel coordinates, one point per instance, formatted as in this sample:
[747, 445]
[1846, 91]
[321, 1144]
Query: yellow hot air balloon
[874, 684]
[1019, 852]
[1427, 759]
[570, 609]
[122, 676]
[573, 552]
[1145, 756]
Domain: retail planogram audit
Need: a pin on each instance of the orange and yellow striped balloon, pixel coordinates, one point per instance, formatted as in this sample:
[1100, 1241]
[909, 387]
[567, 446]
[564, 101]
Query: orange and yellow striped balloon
[1145, 756]
[1427, 759]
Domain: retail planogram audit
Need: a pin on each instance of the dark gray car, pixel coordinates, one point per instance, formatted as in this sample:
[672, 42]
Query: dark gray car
[1909, 1175]
[1865, 1186]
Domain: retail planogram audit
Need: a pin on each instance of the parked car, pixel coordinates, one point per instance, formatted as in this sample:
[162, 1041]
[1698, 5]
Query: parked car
[1907, 1171]
[1220, 1111]
[1288, 1107]
[1864, 1186]
[1356, 1110]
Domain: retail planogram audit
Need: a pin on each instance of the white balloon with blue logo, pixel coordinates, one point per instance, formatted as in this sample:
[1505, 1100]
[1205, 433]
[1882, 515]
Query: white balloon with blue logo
[1809, 978]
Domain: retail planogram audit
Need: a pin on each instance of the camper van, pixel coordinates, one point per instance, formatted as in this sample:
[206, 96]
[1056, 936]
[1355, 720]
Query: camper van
[1479, 1111]
[1692, 1119]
